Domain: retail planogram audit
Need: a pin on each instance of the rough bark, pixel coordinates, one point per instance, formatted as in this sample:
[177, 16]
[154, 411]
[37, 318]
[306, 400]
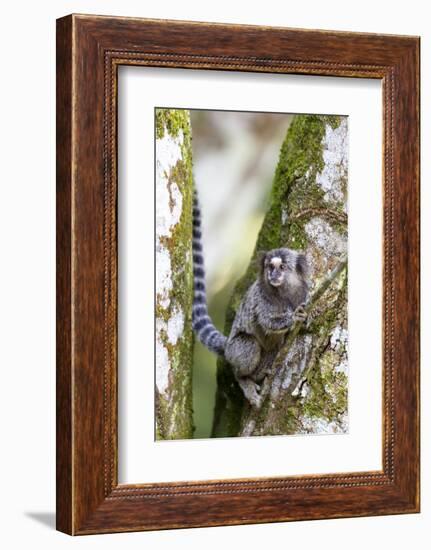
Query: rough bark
[306, 391]
[174, 280]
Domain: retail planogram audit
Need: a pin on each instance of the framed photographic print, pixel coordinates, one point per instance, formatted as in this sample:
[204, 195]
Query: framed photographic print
[237, 274]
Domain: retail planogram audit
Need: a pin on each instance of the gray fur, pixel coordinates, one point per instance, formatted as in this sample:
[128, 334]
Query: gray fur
[202, 324]
[269, 308]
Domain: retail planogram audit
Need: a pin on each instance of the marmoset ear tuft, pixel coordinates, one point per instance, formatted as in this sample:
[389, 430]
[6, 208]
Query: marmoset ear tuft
[260, 260]
[301, 264]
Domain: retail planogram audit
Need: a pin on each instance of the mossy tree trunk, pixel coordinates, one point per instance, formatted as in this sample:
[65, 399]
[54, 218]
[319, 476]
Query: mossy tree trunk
[174, 280]
[307, 390]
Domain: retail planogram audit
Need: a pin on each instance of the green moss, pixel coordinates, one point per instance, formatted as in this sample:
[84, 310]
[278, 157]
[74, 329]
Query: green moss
[328, 390]
[331, 308]
[175, 414]
[277, 419]
[172, 121]
[327, 398]
[297, 238]
[180, 404]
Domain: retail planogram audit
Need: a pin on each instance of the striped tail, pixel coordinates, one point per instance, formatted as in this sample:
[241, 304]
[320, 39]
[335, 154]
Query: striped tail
[202, 325]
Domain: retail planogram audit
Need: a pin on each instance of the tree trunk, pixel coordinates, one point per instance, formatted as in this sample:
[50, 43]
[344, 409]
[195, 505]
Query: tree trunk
[306, 390]
[174, 279]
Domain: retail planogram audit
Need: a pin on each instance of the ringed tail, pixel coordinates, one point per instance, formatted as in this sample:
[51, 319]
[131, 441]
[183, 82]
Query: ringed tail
[202, 324]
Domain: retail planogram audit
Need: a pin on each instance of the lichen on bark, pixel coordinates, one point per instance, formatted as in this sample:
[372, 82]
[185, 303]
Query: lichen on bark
[307, 211]
[174, 279]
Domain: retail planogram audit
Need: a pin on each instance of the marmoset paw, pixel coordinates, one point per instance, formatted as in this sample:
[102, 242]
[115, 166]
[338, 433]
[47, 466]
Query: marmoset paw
[253, 396]
[300, 314]
[256, 401]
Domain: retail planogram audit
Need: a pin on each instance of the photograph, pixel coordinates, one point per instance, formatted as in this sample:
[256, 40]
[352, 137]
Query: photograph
[251, 282]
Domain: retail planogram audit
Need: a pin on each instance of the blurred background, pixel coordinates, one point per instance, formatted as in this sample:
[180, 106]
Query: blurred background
[235, 155]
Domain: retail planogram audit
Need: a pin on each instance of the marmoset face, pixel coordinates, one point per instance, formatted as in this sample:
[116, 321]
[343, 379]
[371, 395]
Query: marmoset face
[280, 267]
[276, 270]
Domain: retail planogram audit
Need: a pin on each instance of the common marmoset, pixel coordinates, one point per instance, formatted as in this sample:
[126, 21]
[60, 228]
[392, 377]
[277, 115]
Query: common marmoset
[269, 308]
